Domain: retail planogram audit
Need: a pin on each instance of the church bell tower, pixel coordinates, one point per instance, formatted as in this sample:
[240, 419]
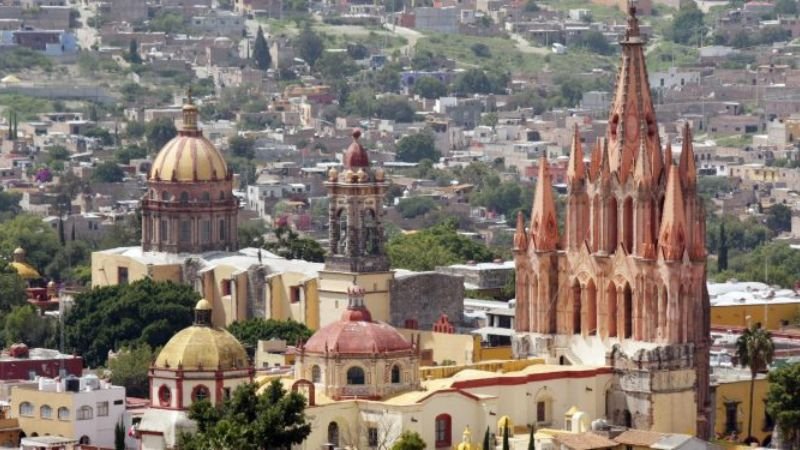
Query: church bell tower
[357, 251]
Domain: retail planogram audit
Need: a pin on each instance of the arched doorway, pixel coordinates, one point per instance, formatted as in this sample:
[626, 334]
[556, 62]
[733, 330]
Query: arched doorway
[333, 434]
[627, 224]
[612, 225]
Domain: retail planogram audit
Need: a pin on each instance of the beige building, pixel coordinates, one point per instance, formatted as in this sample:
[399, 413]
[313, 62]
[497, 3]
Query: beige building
[84, 409]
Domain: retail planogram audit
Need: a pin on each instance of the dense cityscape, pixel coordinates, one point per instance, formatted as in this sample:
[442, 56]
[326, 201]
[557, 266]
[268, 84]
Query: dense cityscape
[399, 224]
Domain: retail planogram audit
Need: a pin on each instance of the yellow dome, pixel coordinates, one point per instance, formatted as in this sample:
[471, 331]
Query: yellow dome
[25, 271]
[189, 157]
[202, 348]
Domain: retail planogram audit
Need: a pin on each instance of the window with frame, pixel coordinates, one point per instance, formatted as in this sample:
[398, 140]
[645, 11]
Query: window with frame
[294, 294]
[442, 427]
[63, 413]
[372, 436]
[122, 276]
[46, 412]
[222, 229]
[26, 409]
[355, 375]
[395, 374]
[102, 409]
[186, 231]
[316, 374]
[200, 393]
[163, 230]
[731, 416]
[85, 413]
[205, 231]
[164, 395]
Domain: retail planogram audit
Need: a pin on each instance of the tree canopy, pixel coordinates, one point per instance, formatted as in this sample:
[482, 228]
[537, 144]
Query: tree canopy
[108, 172]
[309, 46]
[159, 131]
[783, 403]
[290, 245]
[23, 324]
[131, 368]
[439, 245]
[261, 56]
[415, 206]
[416, 147]
[687, 25]
[249, 421]
[250, 331]
[112, 317]
[430, 88]
[409, 440]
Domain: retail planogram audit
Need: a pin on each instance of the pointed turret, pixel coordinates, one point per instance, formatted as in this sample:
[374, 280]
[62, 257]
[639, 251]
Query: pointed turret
[594, 162]
[576, 171]
[668, 156]
[698, 251]
[632, 120]
[643, 173]
[544, 228]
[672, 236]
[605, 162]
[687, 167]
[520, 238]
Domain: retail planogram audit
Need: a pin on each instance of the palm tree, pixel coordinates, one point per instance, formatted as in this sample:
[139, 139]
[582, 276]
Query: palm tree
[754, 349]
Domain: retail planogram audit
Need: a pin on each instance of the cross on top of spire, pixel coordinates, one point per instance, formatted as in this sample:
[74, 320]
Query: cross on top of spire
[633, 23]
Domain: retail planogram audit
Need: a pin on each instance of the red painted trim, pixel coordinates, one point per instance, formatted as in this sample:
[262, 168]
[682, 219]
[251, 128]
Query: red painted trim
[220, 387]
[179, 389]
[449, 391]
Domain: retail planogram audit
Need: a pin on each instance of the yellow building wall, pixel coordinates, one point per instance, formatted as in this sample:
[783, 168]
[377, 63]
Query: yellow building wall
[739, 391]
[671, 414]
[771, 315]
[312, 304]
[493, 353]
[514, 365]
[459, 348]
[38, 425]
[333, 294]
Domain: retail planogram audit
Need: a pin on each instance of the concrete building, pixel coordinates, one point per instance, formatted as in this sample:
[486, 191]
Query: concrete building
[84, 409]
[438, 20]
[218, 23]
[22, 363]
[673, 78]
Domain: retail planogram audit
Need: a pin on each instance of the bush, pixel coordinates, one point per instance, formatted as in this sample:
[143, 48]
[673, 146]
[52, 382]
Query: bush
[415, 206]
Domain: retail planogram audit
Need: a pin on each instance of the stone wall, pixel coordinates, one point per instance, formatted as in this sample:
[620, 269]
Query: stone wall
[424, 297]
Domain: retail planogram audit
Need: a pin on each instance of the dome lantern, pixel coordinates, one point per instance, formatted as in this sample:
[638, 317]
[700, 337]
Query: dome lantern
[189, 116]
[202, 313]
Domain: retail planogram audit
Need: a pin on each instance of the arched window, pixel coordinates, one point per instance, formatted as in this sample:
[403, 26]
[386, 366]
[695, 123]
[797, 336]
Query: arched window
[627, 306]
[26, 409]
[591, 309]
[85, 412]
[627, 224]
[611, 303]
[221, 229]
[395, 374]
[370, 230]
[165, 196]
[576, 307]
[316, 374]
[206, 196]
[84, 440]
[443, 427]
[200, 393]
[333, 434]
[46, 412]
[184, 197]
[222, 195]
[63, 413]
[355, 375]
[164, 395]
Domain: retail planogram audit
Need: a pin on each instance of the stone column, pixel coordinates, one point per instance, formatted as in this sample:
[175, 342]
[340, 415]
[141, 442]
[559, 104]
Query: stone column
[620, 312]
[584, 310]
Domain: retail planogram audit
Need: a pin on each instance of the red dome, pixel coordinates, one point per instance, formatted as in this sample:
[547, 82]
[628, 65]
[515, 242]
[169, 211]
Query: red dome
[357, 334]
[356, 155]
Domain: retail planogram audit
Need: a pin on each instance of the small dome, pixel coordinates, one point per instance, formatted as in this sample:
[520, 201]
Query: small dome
[25, 270]
[356, 155]
[202, 305]
[356, 334]
[19, 251]
[202, 348]
[51, 284]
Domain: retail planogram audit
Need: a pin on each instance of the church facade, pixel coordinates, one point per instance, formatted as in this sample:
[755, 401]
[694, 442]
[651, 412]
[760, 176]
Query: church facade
[625, 284]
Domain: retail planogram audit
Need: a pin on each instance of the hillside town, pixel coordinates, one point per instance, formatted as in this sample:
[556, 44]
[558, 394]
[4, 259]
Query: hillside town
[399, 224]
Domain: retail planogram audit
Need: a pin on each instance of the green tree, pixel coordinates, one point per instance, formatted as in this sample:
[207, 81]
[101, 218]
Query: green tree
[131, 367]
[242, 147]
[112, 317]
[23, 324]
[37, 238]
[335, 66]
[754, 349]
[133, 52]
[387, 79]
[486, 445]
[252, 232]
[409, 440]
[361, 102]
[394, 107]
[12, 289]
[481, 50]
[309, 46]
[430, 88]
[108, 172]
[479, 81]
[783, 403]
[160, 131]
[273, 419]
[415, 206]
[261, 57]
[416, 147]
[779, 218]
[531, 440]
[250, 331]
[57, 153]
[168, 22]
[687, 25]
[531, 6]
[124, 155]
[288, 244]
[786, 7]
[439, 245]
[506, 445]
[595, 42]
[722, 249]
[119, 436]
